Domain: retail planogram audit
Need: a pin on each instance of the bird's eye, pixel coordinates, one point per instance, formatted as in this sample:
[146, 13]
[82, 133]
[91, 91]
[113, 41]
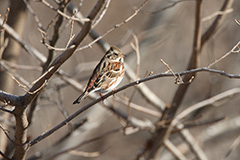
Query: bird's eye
[115, 54]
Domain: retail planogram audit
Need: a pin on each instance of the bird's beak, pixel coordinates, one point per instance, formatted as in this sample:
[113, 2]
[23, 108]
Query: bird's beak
[124, 55]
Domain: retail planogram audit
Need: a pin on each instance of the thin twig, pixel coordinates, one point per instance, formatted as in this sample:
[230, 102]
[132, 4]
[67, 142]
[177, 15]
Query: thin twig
[3, 41]
[5, 132]
[178, 79]
[136, 48]
[115, 26]
[84, 153]
[235, 49]
[14, 66]
[215, 25]
[16, 77]
[63, 14]
[6, 16]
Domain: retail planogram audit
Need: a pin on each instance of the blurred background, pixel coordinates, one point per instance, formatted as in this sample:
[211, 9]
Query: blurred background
[163, 29]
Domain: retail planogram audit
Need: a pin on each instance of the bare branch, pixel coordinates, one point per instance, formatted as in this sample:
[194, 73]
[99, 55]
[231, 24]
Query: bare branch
[174, 3]
[31, 50]
[233, 147]
[204, 103]
[4, 156]
[5, 132]
[98, 19]
[10, 99]
[216, 14]
[174, 150]
[115, 26]
[237, 21]
[235, 49]
[33, 14]
[116, 91]
[213, 28]
[178, 79]
[5, 17]
[66, 54]
[63, 14]
[86, 142]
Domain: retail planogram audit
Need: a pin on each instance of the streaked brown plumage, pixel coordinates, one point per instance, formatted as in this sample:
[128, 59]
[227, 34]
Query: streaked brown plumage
[107, 74]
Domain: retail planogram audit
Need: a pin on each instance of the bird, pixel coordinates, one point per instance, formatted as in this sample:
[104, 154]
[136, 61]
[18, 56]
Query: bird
[107, 74]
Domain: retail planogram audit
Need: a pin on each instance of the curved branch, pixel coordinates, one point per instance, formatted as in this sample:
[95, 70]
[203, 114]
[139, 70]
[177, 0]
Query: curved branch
[63, 123]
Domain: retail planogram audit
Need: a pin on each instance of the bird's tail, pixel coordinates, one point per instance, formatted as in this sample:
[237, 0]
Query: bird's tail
[82, 96]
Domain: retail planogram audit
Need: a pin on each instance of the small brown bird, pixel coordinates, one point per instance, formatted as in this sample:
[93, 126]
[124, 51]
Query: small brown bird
[107, 74]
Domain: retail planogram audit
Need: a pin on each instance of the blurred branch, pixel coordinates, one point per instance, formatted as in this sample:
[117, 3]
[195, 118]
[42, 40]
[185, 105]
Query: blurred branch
[13, 66]
[174, 3]
[33, 14]
[192, 142]
[145, 91]
[16, 77]
[63, 14]
[193, 63]
[31, 50]
[237, 21]
[143, 109]
[199, 123]
[218, 20]
[85, 142]
[115, 26]
[160, 135]
[220, 129]
[202, 104]
[46, 155]
[233, 147]
[174, 150]
[216, 14]
[3, 40]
